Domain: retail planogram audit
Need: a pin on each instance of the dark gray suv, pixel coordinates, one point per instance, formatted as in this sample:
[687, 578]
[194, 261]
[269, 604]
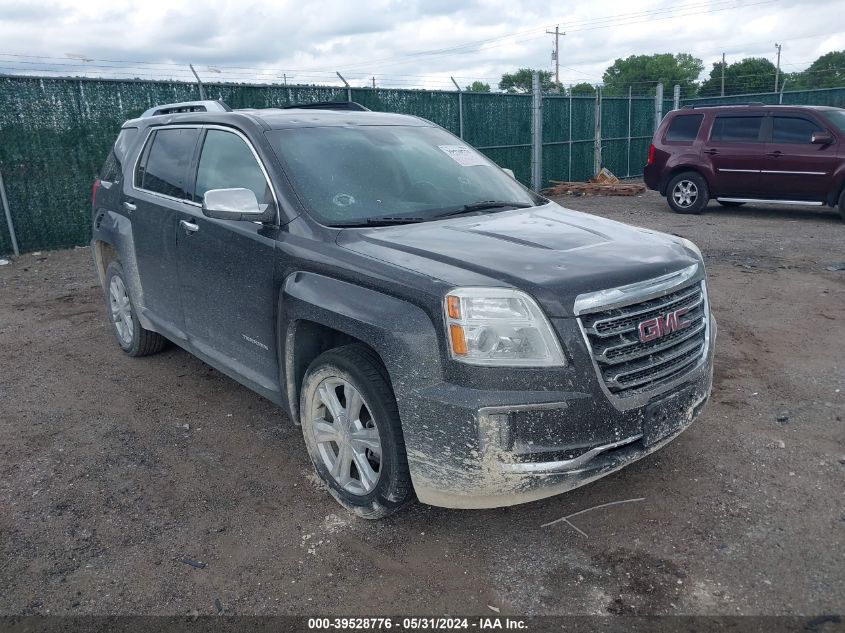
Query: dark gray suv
[437, 330]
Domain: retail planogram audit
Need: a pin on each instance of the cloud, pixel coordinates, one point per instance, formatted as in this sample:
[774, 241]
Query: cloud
[404, 43]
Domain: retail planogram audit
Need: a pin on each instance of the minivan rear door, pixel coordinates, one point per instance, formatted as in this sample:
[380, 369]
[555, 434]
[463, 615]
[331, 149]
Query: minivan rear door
[735, 150]
[795, 167]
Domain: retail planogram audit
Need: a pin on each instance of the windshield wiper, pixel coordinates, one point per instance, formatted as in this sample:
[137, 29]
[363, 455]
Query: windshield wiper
[484, 205]
[382, 221]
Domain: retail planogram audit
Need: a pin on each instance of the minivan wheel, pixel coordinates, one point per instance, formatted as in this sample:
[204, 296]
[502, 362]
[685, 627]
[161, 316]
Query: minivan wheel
[130, 334]
[842, 204]
[687, 193]
[352, 430]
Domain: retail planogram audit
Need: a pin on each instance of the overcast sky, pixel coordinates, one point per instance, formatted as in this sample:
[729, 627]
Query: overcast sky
[408, 43]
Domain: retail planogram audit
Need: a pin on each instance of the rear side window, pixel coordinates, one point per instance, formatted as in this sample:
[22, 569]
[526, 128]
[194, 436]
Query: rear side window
[112, 170]
[227, 162]
[737, 129]
[684, 127]
[164, 163]
[793, 130]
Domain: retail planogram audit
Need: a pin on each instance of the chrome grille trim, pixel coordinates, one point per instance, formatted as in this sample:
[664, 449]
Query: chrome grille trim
[631, 372]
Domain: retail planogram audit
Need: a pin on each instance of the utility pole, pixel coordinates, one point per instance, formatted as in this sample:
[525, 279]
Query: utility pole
[285, 75]
[777, 70]
[556, 55]
[723, 74]
[374, 82]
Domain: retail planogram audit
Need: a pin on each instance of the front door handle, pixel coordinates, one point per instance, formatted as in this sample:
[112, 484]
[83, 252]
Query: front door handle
[712, 152]
[190, 227]
[775, 153]
[129, 206]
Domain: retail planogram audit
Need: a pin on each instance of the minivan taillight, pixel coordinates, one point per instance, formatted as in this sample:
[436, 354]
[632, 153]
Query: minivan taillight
[651, 154]
[94, 189]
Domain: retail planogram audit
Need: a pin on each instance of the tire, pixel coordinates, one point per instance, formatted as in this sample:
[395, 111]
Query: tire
[368, 475]
[131, 336]
[726, 203]
[687, 193]
[842, 204]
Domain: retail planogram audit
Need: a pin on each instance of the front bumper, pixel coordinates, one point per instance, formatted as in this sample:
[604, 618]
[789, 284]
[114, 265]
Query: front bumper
[508, 447]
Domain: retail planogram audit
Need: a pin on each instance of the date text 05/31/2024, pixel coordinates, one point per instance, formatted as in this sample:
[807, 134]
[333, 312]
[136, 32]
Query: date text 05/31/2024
[417, 623]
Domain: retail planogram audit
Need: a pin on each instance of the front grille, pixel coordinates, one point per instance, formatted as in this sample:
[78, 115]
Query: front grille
[627, 365]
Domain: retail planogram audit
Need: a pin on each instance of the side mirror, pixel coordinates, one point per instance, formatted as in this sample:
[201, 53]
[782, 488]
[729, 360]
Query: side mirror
[821, 138]
[509, 172]
[236, 204]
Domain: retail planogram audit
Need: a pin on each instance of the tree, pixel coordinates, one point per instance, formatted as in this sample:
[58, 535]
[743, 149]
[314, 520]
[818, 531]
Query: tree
[478, 86]
[828, 71]
[642, 72]
[582, 89]
[752, 74]
[520, 81]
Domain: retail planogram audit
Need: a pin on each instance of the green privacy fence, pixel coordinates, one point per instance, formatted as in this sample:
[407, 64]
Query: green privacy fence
[825, 96]
[55, 134]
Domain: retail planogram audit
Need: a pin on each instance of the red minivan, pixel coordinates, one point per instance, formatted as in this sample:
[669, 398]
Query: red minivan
[749, 153]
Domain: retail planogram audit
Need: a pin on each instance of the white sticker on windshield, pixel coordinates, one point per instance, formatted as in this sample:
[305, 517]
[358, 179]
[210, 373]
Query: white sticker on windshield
[463, 155]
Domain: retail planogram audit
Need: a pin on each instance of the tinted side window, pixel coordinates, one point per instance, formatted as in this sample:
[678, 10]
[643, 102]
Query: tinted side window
[736, 129]
[684, 128]
[227, 162]
[793, 130]
[112, 170]
[163, 167]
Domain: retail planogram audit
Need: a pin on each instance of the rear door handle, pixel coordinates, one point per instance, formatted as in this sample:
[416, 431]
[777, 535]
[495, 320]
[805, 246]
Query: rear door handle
[190, 227]
[129, 206]
[711, 151]
[775, 153]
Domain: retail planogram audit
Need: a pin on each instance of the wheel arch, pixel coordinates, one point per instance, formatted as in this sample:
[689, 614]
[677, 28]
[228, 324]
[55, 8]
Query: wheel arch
[664, 186]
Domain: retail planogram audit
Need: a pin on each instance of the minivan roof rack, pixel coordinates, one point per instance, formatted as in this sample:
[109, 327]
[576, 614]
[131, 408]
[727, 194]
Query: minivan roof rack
[692, 106]
[187, 106]
[328, 105]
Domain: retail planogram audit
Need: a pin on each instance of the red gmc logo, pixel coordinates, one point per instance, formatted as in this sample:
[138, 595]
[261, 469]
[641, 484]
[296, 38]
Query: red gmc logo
[659, 326]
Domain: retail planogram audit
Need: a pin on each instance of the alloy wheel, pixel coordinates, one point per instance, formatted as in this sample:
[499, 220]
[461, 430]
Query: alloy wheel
[685, 193]
[121, 310]
[346, 435]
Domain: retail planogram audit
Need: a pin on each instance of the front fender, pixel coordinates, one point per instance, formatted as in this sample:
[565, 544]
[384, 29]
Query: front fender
[401, 333]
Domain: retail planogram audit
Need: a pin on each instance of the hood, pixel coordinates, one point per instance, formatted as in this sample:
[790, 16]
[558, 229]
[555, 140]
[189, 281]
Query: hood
[551, 252]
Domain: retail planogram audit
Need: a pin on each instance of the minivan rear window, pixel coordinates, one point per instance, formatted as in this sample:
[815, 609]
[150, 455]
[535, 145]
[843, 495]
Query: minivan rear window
[736, 129]
[684, 127]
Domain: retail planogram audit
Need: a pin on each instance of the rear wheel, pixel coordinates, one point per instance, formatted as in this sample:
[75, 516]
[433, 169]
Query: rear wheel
[726, 203]
[687, 193]
[130, 334]
[353, 433]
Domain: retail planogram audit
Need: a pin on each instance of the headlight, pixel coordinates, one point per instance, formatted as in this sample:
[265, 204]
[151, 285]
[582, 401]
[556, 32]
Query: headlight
[500, 327]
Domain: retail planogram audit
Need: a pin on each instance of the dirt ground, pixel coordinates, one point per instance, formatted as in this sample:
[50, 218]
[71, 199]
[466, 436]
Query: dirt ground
[116, 471]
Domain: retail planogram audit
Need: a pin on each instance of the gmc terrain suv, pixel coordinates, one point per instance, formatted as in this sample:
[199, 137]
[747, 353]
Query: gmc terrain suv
[437, 330]
[749, 153]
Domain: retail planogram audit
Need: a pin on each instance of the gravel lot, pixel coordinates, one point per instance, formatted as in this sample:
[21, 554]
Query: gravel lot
[115, 471]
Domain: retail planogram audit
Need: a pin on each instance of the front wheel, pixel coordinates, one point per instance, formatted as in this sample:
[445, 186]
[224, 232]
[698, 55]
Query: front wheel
[687, 193]
[353, 433]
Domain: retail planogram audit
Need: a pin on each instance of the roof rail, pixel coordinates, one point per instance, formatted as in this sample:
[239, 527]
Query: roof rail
[328, 105]
[187, 106]
[692, 106]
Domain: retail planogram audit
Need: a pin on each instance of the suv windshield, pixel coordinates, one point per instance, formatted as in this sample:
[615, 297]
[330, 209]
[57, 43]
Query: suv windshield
[836, 118]
[356, 174]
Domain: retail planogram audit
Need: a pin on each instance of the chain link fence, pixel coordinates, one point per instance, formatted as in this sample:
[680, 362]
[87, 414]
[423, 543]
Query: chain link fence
[55, 134]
